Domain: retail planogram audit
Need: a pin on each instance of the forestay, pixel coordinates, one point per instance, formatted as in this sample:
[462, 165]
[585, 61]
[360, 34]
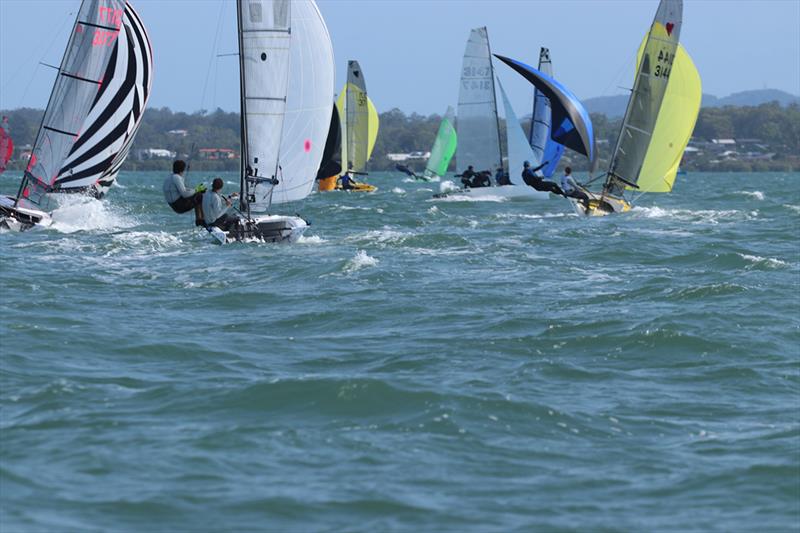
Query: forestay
[477, 126]
[82, 77]
[649, 88]
[545, 149]
[309, 104]
[264, 47]
[443, 147]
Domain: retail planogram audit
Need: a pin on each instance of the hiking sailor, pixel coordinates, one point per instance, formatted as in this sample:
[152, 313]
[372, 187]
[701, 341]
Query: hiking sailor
[502, 178]
[571, 187]
[215, 208]
[179, 198]
[537, 181]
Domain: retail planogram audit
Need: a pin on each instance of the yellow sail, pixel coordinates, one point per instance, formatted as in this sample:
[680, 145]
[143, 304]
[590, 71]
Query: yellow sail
[674, 126]
[373, 123]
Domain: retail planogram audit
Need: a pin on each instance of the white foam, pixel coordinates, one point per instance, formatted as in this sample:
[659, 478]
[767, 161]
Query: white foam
[767, 261]
[795, 208]
[311, 239]
[468, 198]
[398, 190]
[447, 186]
[359, 261]
[709, 216]
[758, 195]
[382, 236]
[82, 213]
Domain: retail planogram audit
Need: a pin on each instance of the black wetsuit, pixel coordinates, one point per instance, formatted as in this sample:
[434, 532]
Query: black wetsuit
[532, 179]
[466, 177]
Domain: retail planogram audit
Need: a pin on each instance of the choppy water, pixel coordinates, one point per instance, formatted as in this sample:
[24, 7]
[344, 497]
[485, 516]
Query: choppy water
[411, 364]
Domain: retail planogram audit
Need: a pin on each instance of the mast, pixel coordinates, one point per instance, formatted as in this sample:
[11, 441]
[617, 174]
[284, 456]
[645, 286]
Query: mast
[244, 204]
[494, 99]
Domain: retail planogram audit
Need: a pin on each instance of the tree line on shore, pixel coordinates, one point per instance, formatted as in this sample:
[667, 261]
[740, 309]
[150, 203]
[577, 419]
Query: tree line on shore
[775, 129]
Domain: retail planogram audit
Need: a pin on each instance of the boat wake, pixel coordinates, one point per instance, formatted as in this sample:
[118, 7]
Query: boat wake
[82, 213]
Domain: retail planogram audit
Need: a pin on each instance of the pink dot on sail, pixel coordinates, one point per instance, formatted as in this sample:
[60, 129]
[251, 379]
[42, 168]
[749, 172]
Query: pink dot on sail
[26, 192]
[307, 145]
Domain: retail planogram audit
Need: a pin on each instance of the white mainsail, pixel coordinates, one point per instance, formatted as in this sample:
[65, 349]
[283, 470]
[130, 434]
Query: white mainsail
[264, 43]
[477, 125]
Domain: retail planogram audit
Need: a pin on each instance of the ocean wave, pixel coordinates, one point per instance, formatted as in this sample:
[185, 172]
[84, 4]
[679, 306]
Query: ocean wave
[758, 195]
[359, 261]
[768, 262]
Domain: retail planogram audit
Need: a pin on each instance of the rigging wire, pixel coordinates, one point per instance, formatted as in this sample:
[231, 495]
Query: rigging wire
[56, 35]
[213, 57]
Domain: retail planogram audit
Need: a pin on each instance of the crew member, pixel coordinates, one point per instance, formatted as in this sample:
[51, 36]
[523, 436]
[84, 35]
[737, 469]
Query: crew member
[502, 178]
[532, 179]
[179, 198]
[215, 208]
[348, 183]
[466, 176]
[571, 187]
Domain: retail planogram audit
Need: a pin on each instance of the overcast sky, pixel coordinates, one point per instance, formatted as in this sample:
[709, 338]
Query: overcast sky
[410, 50]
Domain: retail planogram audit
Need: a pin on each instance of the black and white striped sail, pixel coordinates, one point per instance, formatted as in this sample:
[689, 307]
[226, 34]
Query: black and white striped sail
[264, 46]
[96, 104]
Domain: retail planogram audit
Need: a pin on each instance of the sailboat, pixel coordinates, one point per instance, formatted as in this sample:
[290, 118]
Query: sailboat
[658, 122]
[443, 150]
[6, 144]
[286, 81]
[545, 149]
[478, 126]
[93, 114]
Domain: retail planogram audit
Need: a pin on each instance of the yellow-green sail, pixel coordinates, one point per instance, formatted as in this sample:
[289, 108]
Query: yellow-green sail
[359, 120]
[674, 126]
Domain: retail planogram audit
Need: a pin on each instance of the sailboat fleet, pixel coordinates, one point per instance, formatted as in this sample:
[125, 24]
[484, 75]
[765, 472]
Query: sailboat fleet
[293, 134]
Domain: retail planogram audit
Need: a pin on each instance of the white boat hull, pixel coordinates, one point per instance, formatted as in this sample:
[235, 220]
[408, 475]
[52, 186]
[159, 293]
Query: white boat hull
[265, 228]
[21, 218]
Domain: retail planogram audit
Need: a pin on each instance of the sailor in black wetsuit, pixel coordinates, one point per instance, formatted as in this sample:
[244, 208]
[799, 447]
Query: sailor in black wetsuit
[536, 181]
[466, 176]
